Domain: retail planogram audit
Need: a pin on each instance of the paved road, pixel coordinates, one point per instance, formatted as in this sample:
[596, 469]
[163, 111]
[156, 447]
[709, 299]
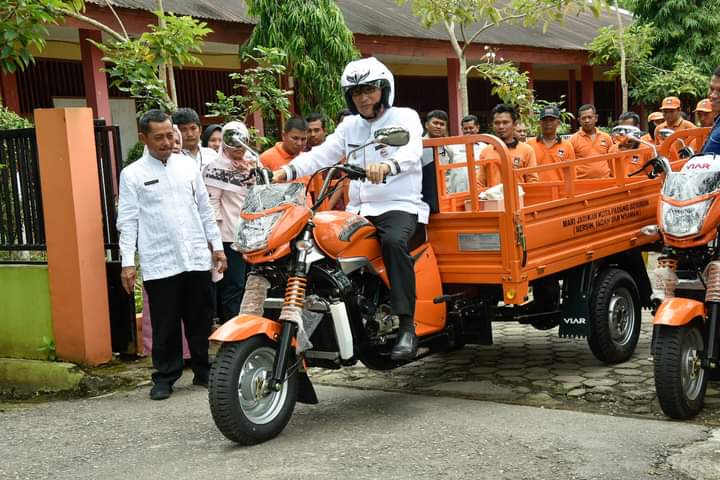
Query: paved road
[352, 434]
[532, 367]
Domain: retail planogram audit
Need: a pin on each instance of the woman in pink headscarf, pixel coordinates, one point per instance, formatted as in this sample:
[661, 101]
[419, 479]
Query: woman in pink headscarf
[227, 179]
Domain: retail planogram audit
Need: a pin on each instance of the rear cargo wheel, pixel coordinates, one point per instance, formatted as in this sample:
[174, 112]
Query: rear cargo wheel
[680, 381]
[614, 316]
[242, 406]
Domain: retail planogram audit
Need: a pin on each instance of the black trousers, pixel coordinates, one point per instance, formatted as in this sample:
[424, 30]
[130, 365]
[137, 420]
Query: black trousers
[395, 229]
[184, 297]
[232, 285]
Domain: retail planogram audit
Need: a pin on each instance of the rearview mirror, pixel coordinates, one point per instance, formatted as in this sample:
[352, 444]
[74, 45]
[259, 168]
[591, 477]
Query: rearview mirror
[664, 133]
[633, 133]
[392, 136]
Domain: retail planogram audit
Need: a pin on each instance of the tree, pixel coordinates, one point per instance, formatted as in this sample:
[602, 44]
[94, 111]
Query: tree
[317, 42]
[257, 88]
[684, 30]
[135, 65]
[648, 82]
[23, 25]
[457, 16]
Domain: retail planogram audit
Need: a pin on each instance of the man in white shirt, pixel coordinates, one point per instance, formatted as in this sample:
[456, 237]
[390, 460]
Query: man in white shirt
[188, 122]
[164, 210]
[457, 180]
[394, 208]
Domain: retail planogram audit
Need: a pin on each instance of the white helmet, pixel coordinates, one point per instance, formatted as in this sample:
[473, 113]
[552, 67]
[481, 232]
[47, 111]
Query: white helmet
[368, 71]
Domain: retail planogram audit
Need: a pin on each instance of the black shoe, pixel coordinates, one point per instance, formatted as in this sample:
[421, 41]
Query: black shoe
[160, 391]
[405, 346]
[201, 381]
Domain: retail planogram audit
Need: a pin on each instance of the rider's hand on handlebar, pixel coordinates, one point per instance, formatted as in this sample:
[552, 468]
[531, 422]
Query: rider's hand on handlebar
[279, 176]
[376, 172]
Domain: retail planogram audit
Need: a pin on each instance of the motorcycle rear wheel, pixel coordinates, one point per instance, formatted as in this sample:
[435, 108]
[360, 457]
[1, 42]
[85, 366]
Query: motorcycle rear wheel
[680, 381]
[241, 409]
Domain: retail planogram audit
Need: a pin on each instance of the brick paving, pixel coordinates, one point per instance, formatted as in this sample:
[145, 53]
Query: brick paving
[530, 367]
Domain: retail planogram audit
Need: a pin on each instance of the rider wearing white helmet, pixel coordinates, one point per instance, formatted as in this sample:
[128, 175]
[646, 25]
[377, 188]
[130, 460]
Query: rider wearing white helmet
[395, 208]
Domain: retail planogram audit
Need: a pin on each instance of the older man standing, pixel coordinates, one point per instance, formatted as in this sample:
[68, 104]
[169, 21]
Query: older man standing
[164, 209]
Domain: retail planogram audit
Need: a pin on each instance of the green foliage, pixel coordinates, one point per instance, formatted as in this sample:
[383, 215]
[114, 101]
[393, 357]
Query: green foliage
[48, 347]
[257, 89]
[23, 26]
[605, 50]
[488, 13]
[509, 84]
[686, 30]
[317, 42]
[10, 120]
[685, 80]
[134, 153]
[134, 64]
[648, 81]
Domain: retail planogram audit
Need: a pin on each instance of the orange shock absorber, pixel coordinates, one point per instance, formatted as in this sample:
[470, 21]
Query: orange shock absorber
[712, 282]
[295, 292]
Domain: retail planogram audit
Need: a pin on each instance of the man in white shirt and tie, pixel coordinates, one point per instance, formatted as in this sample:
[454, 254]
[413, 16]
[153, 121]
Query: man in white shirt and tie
[164, 210]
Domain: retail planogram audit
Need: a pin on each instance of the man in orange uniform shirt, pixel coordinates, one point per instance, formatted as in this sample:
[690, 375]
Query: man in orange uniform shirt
[522, 155]
[548, 146]
[294, 140]
[588, 142]
[704, 117]
[670, 108]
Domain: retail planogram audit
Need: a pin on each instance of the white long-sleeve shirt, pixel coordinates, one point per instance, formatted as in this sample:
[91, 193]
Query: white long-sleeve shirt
[403, 190]
[164, 209]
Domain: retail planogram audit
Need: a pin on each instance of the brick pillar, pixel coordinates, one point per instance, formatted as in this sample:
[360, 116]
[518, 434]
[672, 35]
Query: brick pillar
[454, 105]
[74, 235]
[96, 87]
[9, 91]
[588, 84]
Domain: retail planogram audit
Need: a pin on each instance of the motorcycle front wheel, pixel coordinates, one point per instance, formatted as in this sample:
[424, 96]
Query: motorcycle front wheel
[680, 381]
[242, 408]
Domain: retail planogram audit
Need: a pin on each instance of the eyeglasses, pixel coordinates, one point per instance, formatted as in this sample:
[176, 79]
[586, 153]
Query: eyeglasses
[363, 90]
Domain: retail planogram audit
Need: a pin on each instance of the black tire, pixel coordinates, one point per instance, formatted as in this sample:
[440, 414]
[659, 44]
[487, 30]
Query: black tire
[680, 383]
[614, 316]
[251, 420]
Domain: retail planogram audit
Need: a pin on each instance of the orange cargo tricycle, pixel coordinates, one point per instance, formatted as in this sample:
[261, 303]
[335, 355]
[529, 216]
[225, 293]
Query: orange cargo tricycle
[547, 254]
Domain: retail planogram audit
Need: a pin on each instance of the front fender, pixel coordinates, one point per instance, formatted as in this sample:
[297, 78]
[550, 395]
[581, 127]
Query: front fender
[244, 326]
[676, 312]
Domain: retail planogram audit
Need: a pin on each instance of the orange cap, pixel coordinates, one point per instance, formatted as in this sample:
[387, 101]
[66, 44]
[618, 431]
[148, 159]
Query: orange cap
[670, 103]
[655, 116]
[704, 105]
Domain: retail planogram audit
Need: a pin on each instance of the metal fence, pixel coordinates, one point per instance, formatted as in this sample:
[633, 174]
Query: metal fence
[109, 161]
[21, 211]
[22, 227]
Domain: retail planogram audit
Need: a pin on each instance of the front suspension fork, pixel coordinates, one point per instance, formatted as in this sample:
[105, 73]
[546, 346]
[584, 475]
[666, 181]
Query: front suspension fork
[283, 355]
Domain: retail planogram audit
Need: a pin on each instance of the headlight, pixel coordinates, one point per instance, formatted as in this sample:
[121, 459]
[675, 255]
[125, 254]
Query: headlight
[252, 235]
[684, 221]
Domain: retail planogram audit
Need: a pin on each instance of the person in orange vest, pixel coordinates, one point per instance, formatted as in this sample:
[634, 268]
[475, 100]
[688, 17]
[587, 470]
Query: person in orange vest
[631, 163]
[654, 119]
[670, 108]
[522, 155]
[704, 115]
[294, 141]
[549, 147]
[588, 142]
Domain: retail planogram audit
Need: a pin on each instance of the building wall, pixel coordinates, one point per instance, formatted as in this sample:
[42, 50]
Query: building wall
[25, 312]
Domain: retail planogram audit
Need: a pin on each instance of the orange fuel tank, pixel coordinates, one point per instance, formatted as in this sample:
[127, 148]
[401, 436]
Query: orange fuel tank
[344, 234]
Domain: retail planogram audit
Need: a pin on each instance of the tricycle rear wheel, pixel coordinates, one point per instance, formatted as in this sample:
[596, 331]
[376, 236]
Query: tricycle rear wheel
[614, 316]
[241, 408]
